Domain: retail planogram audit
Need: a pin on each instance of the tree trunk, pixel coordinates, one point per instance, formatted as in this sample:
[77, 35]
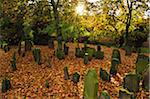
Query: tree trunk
[56, 16]
[128, 22]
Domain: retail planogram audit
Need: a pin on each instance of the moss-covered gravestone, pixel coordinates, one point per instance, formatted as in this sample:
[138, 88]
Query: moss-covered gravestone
[46, 84]
[143, 57]
[66, 49]
[6, 85]
[86, 58]
[28, 45]
[91, 85]
[116, 55]
[146, 80]
[114, 67]
[77, 52]
[98, 48]
[51, 43]
[104, 95]
[99, 55]
[104, 75]
[37, 55]
[131, 82]
[90, 52]
[66, 74]
[13, 62]
[76, 77]
[125, 94]
[142, 64]
[128, 51]
[6, 48]
[60, 54]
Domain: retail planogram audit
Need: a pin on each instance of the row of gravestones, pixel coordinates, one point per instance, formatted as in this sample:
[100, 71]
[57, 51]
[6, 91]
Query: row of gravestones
[142, 63]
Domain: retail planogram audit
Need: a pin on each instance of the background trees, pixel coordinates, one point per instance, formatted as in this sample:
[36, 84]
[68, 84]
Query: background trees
[101, 19]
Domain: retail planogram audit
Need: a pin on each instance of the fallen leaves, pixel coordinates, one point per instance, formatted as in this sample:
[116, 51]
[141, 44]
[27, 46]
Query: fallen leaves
[29, 79]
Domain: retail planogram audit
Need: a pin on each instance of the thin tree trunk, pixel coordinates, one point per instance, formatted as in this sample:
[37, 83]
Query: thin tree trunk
[128, 22]
[56, 16]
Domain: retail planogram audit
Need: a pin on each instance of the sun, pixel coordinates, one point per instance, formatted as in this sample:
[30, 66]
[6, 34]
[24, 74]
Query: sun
[80, 9]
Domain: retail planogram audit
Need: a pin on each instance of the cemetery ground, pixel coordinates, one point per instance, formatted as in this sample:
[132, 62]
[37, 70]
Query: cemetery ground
[46, 80]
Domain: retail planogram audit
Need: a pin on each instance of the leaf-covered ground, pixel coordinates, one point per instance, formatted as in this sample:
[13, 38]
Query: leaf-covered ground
[29, 78]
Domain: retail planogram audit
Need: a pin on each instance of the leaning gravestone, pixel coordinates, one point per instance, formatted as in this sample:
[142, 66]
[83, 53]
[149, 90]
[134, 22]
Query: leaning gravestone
[91, 85]
[125, 94]
[146, 80]
[104, 95]
[142, 64]
[104, 75]
[131, 82]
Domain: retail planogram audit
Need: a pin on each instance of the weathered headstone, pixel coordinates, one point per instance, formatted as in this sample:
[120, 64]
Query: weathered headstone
[91, 85]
